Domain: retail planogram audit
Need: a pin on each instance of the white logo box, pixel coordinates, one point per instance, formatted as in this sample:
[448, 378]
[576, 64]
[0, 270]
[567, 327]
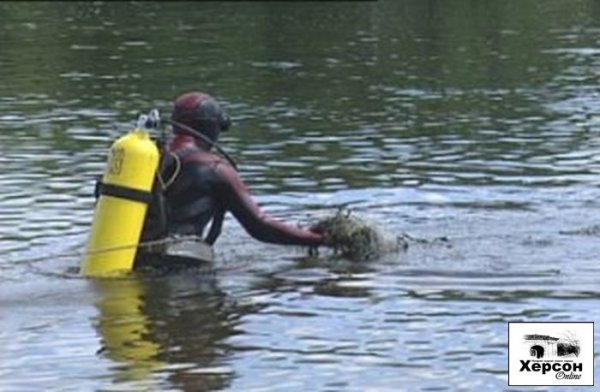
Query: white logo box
[550, 353]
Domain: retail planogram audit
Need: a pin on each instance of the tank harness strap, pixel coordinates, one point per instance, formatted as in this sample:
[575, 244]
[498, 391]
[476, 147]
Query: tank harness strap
[175, 172]
[123, 192]
[215, 228]
[160, 187]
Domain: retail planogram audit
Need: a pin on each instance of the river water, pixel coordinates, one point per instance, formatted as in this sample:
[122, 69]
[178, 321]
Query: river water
[473, 121]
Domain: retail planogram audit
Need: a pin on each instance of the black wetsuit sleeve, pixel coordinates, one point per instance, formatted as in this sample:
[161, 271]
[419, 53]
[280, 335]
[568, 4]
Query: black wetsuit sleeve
[236, 198]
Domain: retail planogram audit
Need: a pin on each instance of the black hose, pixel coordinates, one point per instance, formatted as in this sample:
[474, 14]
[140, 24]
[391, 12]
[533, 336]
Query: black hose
[204, 138]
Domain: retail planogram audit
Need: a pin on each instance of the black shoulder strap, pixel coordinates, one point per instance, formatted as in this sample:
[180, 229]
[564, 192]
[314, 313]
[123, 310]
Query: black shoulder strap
[158, 191]
[215, 227]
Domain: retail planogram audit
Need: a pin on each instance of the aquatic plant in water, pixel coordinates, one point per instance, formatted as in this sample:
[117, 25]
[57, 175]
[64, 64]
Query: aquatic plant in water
[358, 239]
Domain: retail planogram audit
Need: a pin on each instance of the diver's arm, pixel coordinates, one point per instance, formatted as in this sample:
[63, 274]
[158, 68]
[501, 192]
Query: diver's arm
[258, 224]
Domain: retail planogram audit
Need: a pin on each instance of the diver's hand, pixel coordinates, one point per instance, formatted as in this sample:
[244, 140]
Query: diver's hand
[326, 238]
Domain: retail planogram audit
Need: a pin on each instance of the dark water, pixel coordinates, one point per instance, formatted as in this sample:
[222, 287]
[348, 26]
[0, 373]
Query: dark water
[477, 121]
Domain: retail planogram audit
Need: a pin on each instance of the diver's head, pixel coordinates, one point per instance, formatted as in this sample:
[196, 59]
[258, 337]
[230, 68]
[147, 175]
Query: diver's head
[201, 112]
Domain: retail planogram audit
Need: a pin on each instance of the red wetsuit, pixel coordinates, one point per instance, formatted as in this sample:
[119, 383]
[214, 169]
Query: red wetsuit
[205, 188]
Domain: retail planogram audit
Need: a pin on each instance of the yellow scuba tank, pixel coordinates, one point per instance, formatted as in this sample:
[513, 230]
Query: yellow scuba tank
[125, 193]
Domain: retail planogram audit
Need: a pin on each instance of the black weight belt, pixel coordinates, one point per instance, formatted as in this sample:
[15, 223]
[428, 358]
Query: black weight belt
[124, 192]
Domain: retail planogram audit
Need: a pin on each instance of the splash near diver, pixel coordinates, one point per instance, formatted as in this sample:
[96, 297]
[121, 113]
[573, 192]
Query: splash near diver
[358, 239]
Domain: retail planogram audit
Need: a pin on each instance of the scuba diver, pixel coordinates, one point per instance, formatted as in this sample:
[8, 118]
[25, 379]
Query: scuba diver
[199, 186]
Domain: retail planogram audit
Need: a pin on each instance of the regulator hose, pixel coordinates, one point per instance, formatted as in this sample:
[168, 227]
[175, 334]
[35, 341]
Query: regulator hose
[205, 139]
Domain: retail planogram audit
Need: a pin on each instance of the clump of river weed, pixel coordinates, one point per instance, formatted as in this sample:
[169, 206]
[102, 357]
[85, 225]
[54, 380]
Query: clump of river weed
[359, 239]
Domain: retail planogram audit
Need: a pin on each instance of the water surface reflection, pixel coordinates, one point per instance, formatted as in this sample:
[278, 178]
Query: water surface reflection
[168, 331]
